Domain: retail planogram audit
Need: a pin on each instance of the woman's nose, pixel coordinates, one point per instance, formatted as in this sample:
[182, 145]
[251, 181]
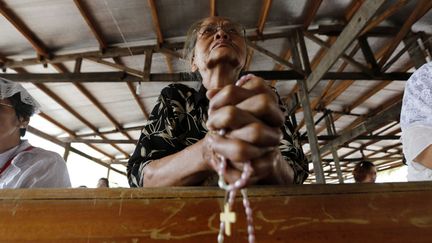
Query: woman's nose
[221, 34]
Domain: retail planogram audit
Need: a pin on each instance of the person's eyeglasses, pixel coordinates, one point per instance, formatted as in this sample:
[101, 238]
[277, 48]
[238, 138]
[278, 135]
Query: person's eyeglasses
[7, 105]
[231, 29]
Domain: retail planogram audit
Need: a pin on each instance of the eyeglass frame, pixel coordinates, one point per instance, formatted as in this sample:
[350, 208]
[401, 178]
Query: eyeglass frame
[222, 27]
[7, 105]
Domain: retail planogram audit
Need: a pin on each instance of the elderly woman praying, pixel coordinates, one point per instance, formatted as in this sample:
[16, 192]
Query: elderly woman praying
[236, 118]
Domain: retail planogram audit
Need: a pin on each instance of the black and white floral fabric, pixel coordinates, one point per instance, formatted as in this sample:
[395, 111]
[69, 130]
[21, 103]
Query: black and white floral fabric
[178, 120]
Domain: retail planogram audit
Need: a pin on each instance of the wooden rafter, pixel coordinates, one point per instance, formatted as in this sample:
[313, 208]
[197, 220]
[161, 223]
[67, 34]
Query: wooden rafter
[111, 52]
[348, 35]
[95, 102]
[213, 8]
[312, 10]
[421, 9]
[391, 113]
[260, 28]
[36, 43]
[157, 29]
[72, 149]
[73, 134]
[117, 64]
[384, 15]
[132, 90]
[101, 77]
[91, 23]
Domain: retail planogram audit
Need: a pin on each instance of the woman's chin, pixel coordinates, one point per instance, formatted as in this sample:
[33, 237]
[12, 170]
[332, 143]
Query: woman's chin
[226, 59]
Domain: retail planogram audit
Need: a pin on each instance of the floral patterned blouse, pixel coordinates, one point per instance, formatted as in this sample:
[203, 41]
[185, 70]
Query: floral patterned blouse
[178, 120]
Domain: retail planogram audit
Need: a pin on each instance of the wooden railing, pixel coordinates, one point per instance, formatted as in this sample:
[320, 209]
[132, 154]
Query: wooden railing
[397, 212]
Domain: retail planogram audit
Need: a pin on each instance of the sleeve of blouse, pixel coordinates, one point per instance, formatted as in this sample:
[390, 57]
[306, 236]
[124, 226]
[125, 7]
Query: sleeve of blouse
[158, 138]
[291, 149]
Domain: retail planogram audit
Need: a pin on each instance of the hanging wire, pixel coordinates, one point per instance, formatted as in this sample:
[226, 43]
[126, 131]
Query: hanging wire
[138, 86]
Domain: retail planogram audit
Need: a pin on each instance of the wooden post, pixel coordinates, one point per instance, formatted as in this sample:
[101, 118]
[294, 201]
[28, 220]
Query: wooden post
[67, 151]
[307, 111]
[108, 172]
[332, 132]
[147, 65]
[415, 52]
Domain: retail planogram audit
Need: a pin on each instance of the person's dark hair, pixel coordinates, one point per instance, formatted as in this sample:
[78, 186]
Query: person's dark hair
[22, 110]
[104, 180]
[361, 170]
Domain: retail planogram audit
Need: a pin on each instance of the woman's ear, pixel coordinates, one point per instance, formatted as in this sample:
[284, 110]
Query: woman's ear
[24, 122]
[194, 67]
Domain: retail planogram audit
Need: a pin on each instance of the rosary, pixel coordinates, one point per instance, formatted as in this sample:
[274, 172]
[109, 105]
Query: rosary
[228, 217]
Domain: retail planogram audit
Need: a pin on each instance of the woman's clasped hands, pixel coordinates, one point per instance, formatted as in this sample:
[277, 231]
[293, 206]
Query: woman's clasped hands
[249, 114]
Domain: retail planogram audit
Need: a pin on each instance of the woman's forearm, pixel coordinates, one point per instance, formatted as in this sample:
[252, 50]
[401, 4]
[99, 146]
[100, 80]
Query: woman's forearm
[183, 168]
[425, 157]
[283, 173]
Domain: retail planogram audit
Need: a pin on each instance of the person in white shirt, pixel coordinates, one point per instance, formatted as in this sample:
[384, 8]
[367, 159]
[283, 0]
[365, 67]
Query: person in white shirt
[22, 165]
[416, 124]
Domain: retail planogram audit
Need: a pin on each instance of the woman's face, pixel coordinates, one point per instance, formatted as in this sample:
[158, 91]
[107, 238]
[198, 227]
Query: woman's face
[371, 176]
[219, 42]
[10, 124]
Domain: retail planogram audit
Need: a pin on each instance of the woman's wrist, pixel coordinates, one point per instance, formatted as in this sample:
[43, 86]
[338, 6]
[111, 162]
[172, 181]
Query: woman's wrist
[282, 173]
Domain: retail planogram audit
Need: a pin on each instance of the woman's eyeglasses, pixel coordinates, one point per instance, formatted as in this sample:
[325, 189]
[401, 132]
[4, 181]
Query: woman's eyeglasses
[211, 29]
[7, 105]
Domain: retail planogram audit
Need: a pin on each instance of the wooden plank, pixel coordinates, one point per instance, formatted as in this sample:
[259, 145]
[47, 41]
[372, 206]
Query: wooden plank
[93, 77]
[323, 213]
[348, 35]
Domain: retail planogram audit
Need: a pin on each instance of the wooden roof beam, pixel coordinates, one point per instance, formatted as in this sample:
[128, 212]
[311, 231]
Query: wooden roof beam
[65, 106]
[345, 57]
[348, 35]
[111, 52]
[73, 134]
[91, 23]
[384, 15]
[95, 102]
[156, 26]
[96, 77]
[213, 8]
[118, 64]
[24, 30]
[132, 90]
[421, 9]
[390, 114]
[72, 149]
[260, 28]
